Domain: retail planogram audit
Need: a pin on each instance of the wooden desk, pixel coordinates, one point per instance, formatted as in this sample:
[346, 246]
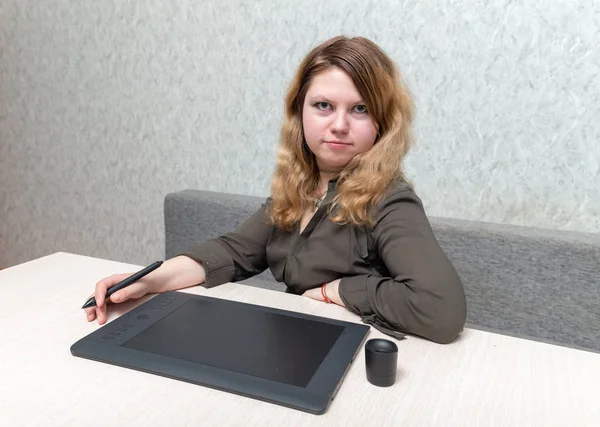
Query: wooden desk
[482, 379]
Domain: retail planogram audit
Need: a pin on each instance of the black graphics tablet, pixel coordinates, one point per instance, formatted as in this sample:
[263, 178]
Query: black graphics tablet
[283, 357]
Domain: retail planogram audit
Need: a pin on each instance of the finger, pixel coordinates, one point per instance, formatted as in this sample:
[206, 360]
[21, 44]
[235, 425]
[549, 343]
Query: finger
[133, 291]
[101, 314]
[100, 292]
[90, 313]
[104, 284]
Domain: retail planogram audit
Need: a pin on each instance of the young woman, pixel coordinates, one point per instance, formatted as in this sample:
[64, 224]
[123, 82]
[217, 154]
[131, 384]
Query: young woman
[343, 225]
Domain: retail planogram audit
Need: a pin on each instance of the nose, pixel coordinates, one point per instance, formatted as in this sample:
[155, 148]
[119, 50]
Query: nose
[340, 123]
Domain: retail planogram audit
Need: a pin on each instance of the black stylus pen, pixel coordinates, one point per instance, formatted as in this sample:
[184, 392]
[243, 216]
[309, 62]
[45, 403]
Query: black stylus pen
[124, 283]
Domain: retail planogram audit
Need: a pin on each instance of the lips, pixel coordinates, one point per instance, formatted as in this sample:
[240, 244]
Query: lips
[337, 143]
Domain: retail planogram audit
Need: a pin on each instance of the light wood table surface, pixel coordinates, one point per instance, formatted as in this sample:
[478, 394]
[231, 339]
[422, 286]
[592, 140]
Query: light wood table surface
[481, 379]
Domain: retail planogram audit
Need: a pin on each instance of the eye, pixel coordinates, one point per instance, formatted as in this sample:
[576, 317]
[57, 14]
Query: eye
[323, 106]
[360, 109]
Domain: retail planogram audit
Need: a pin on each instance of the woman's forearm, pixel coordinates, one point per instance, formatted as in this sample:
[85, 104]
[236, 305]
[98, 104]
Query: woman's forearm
[176, 273]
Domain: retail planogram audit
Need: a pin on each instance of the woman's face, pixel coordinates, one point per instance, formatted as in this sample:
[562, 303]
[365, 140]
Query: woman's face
[336, 123]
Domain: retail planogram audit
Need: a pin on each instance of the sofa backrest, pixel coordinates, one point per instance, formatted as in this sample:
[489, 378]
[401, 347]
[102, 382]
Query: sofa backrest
[534, 283]
[193, 216]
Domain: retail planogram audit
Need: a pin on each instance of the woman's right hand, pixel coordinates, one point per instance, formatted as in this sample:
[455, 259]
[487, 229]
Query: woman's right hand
[176, 273]
[134, 291]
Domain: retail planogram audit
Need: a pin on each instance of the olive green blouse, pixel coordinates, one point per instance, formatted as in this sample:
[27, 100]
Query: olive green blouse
[393, 274]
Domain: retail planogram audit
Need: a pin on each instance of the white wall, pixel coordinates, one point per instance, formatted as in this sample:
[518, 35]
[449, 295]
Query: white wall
[106, 106]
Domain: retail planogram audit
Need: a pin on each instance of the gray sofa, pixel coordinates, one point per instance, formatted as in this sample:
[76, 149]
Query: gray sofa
[534, 283]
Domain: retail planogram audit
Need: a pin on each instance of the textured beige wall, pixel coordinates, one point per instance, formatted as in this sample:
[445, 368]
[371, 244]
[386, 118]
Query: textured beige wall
[105, 106]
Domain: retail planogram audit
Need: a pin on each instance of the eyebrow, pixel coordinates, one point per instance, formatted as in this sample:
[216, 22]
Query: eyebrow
[323, 98]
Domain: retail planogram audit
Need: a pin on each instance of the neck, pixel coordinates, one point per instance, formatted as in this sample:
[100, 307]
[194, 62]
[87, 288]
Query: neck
[324, 177]
[326, 173]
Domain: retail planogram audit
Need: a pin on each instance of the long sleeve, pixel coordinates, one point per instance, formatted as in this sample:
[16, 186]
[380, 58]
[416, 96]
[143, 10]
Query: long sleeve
[424, 295]
[236, 255]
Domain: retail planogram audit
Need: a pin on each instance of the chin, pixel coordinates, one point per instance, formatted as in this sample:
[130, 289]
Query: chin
[336, 164]
[335, 161]
[325, 164]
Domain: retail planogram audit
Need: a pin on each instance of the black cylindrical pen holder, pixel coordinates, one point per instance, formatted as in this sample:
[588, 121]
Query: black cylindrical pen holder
[381, 358]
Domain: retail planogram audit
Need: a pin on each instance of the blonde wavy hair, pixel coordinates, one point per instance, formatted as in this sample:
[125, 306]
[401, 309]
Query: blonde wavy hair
[364, 182]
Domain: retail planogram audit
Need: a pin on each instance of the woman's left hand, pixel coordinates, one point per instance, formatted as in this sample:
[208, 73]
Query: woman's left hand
[331, 290]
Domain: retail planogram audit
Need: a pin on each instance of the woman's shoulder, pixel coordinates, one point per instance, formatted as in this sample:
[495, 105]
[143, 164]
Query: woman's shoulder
[402, 191]
[402, 200]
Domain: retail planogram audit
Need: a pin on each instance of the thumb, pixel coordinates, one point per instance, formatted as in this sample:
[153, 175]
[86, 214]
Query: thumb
[133, 291]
